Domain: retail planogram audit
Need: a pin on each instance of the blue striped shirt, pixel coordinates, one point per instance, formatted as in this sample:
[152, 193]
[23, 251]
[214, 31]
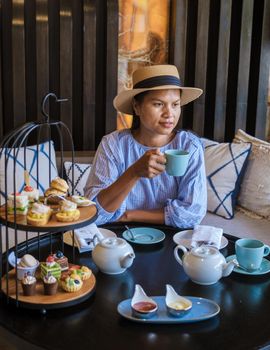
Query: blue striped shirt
[184, 198]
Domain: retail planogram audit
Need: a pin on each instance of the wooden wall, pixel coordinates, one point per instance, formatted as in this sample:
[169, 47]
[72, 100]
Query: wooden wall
[70, 47]
[223, 47]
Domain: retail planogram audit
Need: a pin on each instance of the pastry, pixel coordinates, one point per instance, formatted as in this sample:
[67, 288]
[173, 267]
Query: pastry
[84, 272]
[39, 214]
[29, 285]
[53, 196]
[31, 193]
[21, 204]
[61, 260]
[59, 184]
[28, 261]
[71, 284]
[81, 201]
[50, 266]
[68, 212]
[50, 284]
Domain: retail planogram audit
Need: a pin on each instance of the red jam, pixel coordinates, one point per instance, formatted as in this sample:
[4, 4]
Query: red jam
[28, 189]
[144, 306]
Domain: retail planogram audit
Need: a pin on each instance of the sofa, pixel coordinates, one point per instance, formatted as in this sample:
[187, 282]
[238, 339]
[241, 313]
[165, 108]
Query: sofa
[238, 189]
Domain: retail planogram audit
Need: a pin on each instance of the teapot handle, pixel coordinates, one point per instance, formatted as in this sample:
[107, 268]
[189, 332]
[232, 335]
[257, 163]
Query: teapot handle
[176, 255]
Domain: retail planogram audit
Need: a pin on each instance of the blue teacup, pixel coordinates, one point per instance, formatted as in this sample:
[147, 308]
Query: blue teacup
[176, 162]
[250, 252]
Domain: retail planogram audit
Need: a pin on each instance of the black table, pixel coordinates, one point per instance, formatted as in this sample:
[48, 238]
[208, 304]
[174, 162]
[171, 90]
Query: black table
[243, 322]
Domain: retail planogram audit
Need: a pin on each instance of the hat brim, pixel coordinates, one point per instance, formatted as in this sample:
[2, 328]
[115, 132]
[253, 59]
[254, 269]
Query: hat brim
[123, 101]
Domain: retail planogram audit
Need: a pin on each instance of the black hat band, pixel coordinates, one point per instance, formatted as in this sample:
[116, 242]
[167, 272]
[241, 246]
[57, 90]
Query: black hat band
[158, 81]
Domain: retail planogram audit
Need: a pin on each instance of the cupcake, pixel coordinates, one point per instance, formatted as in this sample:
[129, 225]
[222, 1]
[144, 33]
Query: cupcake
[29, 285]
[50, 284]
[72, 283]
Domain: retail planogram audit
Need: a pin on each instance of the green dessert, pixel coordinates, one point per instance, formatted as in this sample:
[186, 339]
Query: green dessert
[50, 267]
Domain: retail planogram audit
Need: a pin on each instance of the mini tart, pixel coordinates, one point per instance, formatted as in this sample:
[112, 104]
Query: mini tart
[68, 216]
[70, 284]
[84, 272]
[38, 219]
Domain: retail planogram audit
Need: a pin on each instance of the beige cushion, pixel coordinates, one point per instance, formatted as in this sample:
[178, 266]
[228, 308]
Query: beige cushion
[241, 226]
[255, 188]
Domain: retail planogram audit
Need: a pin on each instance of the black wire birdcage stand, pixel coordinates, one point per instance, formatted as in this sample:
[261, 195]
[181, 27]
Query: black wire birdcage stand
[18, 140]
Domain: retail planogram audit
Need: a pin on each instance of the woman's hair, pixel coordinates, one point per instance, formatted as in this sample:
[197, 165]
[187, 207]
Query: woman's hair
[136, 120]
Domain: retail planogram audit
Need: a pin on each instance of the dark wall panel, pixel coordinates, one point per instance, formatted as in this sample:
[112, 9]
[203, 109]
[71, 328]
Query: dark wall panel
[231, 50]
[67, 47]
[70, 48]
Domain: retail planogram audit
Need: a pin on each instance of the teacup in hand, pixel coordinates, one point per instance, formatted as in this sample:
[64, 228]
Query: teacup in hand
[250, 252]
[176, 161]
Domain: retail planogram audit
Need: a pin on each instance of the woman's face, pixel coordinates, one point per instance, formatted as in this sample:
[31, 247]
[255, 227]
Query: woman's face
[159, 111]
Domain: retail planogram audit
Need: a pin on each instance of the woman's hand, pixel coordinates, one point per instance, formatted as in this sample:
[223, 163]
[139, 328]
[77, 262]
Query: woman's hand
[151, 164]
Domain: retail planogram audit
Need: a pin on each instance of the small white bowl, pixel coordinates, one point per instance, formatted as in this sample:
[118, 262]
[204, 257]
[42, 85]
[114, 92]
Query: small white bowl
[22, 271]
[177, 306]
[142, 306]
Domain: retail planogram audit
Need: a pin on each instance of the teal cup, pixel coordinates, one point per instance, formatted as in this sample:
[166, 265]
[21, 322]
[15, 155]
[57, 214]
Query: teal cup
[176, 162]
[250, 252]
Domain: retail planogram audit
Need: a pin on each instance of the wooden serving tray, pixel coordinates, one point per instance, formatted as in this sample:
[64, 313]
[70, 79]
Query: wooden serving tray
[88, 214]
[40, 300]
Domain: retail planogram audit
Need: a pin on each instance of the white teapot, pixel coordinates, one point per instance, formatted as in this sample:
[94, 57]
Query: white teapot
[113, 255]
[204, 265]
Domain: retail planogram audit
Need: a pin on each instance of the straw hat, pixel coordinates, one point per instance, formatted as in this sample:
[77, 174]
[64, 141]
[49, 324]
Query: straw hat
[158, 77]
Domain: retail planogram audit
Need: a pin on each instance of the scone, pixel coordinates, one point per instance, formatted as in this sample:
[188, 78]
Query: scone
[39, 214]
[59, 184]
[68, 212]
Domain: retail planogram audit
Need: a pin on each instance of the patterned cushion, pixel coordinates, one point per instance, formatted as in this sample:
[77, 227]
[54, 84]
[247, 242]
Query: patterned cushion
[255, 189]
[81, 173]
[225, 165]
[32, 154]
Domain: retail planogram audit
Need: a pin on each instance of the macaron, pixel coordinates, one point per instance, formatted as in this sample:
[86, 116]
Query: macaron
[28, 261]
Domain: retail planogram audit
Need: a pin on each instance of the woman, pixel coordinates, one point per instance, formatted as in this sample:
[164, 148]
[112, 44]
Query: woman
[128, 180]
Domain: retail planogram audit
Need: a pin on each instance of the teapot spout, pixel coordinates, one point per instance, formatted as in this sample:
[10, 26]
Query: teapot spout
[227, 268]
[127, 260]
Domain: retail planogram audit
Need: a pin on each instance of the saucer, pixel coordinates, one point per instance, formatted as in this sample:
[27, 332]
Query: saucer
[184, 238]
[67, 237]
[265, 267]
[144, 235]
[202, 309]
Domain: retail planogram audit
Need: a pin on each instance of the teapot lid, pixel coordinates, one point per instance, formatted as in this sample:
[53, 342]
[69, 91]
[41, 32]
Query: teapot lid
[113, 242]
[205, 251]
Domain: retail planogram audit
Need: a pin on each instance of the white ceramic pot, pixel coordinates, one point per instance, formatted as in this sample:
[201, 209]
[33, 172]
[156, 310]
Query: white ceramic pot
[113, 255]
[204, 265]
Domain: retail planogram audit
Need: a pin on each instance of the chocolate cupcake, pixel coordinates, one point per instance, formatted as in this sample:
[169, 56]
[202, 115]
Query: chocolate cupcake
[50, 284]
[29, 285]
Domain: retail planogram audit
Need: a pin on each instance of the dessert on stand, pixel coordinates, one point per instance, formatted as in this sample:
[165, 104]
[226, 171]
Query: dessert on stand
[33, 281]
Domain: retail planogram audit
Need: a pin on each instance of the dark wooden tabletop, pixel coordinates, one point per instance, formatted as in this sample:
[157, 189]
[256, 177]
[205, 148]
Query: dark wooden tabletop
[243, 322]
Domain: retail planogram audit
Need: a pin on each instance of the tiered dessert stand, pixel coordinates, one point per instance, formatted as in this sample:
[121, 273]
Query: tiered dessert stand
[11, 289]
